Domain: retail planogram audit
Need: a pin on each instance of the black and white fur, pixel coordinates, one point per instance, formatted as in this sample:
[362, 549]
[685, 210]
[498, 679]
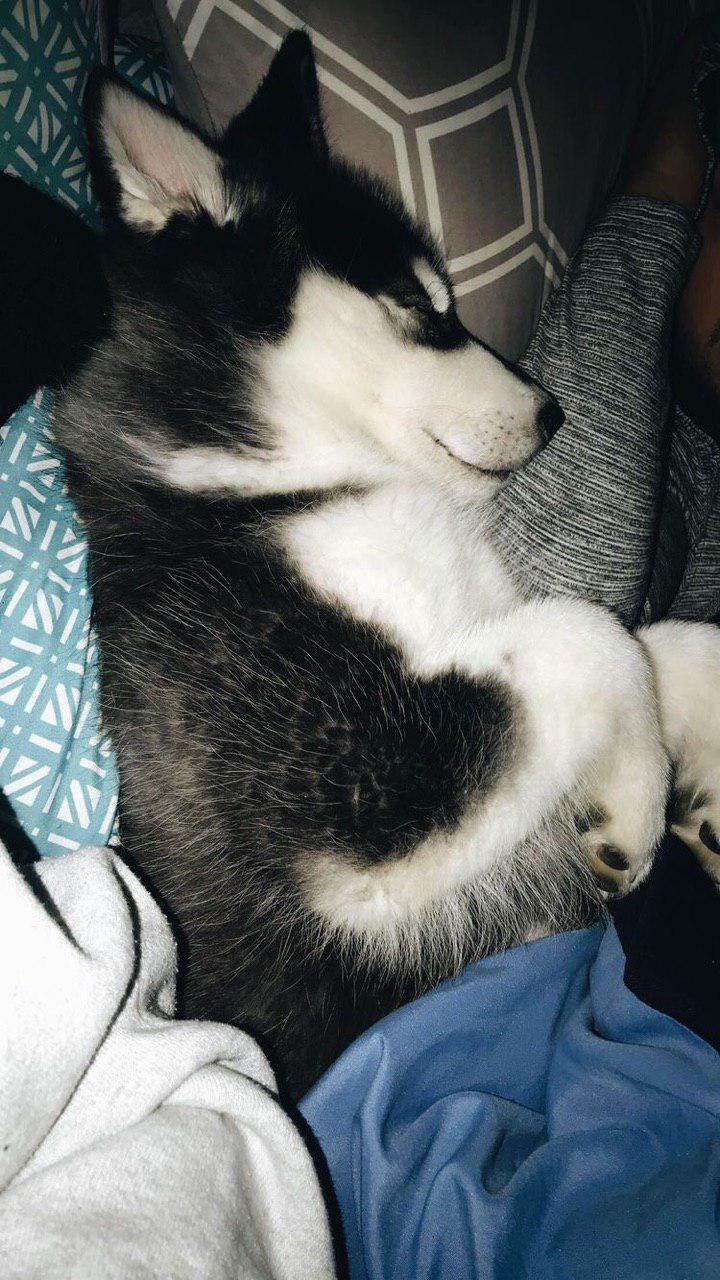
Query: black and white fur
[352, 757]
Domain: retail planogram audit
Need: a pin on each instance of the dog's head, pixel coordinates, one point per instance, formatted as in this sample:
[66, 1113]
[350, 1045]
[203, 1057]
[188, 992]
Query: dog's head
[280, 318]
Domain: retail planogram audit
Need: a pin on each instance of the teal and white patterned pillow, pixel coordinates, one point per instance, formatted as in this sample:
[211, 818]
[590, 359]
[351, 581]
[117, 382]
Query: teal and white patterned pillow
[57, 772]
[47, 48]
[55, 769]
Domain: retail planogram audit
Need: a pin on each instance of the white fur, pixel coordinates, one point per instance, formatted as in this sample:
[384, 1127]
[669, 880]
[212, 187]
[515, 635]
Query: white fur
[409, 557]
[346, 385]
[686, 661]
[435, 288]
[402, 920]
[248, 474]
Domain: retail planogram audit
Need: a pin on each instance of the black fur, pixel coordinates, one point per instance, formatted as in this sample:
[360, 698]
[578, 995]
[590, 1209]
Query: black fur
[255, 727]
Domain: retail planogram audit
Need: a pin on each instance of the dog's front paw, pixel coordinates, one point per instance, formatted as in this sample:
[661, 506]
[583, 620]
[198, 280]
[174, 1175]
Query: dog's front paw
[686, 660]
[694, 813]
[625, 819]
[616, 861]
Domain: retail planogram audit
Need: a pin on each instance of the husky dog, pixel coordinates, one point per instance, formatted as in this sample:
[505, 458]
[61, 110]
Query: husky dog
[352, 756]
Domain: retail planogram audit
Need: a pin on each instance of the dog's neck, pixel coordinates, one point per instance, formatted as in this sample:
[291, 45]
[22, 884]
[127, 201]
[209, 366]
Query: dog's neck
[404, 557]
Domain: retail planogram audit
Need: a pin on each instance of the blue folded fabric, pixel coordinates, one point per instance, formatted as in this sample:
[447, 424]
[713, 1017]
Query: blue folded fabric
[531, 1118]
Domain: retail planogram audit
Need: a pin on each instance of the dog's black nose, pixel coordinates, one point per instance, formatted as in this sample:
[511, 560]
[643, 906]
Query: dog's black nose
[550, 419]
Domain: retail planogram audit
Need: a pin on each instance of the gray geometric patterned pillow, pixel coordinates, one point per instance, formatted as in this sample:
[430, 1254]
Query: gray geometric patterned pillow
[502, 123]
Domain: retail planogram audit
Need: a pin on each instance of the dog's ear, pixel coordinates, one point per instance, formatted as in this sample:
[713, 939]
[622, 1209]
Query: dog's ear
[146, 164]
[282, 125]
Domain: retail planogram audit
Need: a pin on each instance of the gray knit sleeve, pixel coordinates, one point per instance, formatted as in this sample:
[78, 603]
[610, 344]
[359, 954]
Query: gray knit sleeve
[582, 518]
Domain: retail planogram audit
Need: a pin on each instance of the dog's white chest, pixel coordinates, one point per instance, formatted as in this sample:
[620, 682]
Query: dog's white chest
[404, 559]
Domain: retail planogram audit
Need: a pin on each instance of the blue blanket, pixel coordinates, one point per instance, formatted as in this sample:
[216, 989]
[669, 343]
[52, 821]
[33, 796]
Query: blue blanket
[531, 1118]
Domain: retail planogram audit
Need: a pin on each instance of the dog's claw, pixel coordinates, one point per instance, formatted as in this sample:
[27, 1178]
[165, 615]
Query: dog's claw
[709, 839]
[613, 858]
[699, 827]
[615, 871]
[609, 869]
[607, 884]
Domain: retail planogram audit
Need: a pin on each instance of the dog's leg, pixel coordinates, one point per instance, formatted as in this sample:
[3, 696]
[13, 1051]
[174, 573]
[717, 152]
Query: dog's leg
[588, 713]
[686, 660]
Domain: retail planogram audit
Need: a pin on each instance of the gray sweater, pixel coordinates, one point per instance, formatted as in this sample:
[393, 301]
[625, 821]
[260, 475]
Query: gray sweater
[623, 506]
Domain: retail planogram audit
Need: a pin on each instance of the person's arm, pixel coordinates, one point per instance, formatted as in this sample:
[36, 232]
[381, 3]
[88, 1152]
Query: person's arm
[582, 519]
